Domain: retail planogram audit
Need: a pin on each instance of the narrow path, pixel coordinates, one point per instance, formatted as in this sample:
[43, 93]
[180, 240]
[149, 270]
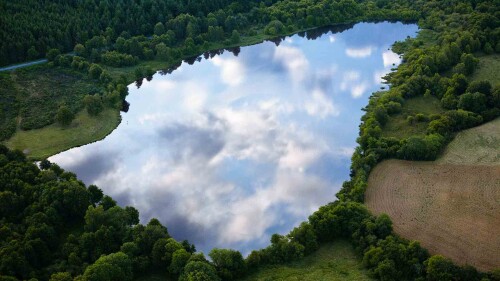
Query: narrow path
[16, 66]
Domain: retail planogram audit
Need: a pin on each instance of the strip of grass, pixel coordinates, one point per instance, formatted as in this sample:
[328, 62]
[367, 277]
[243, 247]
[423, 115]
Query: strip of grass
[476, 146]
[397, 126]
[42, 143]
[334, 261]
[488, 69]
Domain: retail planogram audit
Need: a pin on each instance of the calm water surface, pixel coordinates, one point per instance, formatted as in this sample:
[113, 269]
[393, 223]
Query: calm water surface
[232, 149]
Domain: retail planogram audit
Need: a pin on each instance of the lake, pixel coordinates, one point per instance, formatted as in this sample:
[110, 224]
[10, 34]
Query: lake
[232, 147]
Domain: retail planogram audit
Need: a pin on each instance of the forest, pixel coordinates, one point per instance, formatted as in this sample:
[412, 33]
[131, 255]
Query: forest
[53, 227]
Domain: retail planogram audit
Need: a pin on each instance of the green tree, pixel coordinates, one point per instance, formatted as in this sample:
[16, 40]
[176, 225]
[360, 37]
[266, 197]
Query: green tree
[170, 247]
[475, 102]
[228, 263]
[52, 54]
[470, 63]
[95, 71]
[305, 235]
[162, 51]
[159, 29]
[439, 268]
[93, 103]
[61, 276]
[235, 37]
[179, 260]
[80, 50]
[199, 271]
[33, 53]
[112, 267]
[481, 86]
[95, 194]
[64, 115]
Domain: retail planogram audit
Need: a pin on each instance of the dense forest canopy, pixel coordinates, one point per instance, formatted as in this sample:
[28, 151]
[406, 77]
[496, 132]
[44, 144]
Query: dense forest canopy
[53, 227]
[30, 28]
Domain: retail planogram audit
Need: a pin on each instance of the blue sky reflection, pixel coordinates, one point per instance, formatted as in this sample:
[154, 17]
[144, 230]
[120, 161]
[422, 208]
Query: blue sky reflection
[229, 150]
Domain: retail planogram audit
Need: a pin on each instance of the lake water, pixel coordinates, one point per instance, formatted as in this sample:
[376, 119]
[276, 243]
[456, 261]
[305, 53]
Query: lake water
[231, 149]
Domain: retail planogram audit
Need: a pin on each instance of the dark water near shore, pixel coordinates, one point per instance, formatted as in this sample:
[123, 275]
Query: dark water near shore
[231, 149]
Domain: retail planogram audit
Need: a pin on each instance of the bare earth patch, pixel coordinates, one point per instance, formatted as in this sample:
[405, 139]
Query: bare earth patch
[452, 206]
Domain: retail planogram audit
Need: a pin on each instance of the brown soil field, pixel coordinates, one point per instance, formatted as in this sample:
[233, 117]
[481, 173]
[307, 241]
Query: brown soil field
[452, 210]
[451, 206]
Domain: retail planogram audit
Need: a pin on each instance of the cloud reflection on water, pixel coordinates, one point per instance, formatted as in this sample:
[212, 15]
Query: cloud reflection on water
[232, 149]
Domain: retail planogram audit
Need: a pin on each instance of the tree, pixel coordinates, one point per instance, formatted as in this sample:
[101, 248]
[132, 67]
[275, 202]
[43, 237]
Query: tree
[199, 271]
[95, 71]
[32, 53]
[482, 86]
[179, 260]
[439, 268]
[475, 102]
[170, 248]
[95, 194]
[162, 51]
[138, 73]
[64, 115]
[304, 235]
[80, 50]
[470, 63]
[115, 266]
[61, 276]
[93, 103]
[488, 49]
[235, 37]
[52, 54]
[158, 253]
[228, 263]
[159, 29]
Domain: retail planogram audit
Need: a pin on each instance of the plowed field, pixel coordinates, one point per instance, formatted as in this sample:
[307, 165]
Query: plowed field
[452, 206]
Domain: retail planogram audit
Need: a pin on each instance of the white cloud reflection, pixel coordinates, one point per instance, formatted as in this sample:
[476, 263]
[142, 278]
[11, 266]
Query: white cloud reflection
[320, 105]
[359, 52]
[390, 59]
[294, 60]
[232, 70]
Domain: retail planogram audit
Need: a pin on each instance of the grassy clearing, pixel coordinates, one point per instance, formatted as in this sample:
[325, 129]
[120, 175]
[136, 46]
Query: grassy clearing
[397, 126]
[489, 69]
[334, 261]
[42, 89]
[476, 146]
[47, 141]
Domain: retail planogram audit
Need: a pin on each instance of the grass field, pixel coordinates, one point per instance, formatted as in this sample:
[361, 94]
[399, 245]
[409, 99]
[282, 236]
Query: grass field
[398, 127]
[488, 69]
[47, 141]
[452, 206]
[477, 146]
[335, 261]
